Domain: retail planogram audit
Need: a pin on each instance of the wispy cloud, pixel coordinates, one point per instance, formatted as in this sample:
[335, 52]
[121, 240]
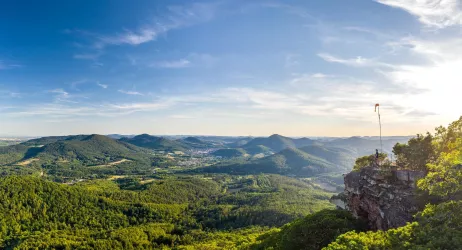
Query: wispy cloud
[104, 86]
[320, 75]
[12, 94]
[192, 59]
[4, 65]
[129, 92]
[433, 13]
[60, 95]
[76, 83]
[175, 17]
[15, 94]
[291, 60]
[132, 37]
[182, 63]
[354, 62]
[88, 56]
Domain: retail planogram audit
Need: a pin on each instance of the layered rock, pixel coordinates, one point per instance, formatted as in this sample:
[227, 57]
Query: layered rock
[385, 198]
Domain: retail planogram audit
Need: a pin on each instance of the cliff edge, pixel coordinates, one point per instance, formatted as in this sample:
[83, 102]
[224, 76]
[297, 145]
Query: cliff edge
[385, 198]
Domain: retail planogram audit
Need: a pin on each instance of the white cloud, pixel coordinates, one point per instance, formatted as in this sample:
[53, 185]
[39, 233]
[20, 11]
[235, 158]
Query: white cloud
[182, 63]
[129, 92]
[60, 92]
[319, 75]
[132, 37]
[354, 62]
[104, 86]
[175, 17]
[433, 13]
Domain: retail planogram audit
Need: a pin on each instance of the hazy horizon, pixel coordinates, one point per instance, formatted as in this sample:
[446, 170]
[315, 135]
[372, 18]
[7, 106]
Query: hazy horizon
[234, 68]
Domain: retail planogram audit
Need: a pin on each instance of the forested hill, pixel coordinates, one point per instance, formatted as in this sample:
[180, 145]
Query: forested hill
[92, 149]
[72, 155]
[171, 213]
[304, 162]
[278, 142]
[156, 143]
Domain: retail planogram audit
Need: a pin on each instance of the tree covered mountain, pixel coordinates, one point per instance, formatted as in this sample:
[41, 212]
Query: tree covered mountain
[342, 157]
[315, 231]
[156, 143]
[274, 142]
[230, 152]
[91, 149]
[194, 142]
[174, 213]
[306, 161]
[77, 157]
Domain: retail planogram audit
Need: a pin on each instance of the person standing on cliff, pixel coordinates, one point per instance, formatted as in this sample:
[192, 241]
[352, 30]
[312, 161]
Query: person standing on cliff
[377, 157]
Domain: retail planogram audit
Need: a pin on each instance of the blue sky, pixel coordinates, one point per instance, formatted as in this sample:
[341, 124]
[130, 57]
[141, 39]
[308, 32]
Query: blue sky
[313, 68]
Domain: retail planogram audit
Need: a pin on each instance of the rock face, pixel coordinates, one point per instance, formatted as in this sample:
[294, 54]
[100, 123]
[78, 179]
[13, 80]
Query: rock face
[385, 198]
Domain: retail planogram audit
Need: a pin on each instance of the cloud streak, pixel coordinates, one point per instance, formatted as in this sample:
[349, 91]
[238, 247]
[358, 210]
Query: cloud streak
[353, 62]
[175, 17]
[104, 86]
[433, 13]
[177, 64]
[129, 92]
[4, 65]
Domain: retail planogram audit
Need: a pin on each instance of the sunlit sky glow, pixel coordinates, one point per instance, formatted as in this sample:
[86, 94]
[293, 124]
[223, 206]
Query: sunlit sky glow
[297, 68]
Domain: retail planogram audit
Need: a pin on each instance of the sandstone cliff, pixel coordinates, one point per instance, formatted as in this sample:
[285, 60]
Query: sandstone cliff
[385, 198]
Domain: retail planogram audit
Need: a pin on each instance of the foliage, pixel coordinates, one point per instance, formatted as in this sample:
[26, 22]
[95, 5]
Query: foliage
[156, 143]
[288, 161]
[416, 153]
[230, 152]
[368, 160]
[312, 232]
[259, 149]
[274, 142]
[445, 174]
[437, 227]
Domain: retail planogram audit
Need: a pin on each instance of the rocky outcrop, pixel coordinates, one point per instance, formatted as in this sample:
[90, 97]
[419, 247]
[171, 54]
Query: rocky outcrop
[385, 198]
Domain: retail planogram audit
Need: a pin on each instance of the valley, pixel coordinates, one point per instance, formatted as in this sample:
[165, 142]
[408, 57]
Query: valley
[194, 191]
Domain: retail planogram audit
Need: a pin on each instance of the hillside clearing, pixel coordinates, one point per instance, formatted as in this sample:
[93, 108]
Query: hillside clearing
[27, 162]
[113, 163]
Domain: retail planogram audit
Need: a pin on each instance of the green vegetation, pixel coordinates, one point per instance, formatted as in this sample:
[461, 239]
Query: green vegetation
[230, 152]
[445, 173]
[312, 232]
[126, 194]
[369, 160]
[156, 143]
[290, 161]
[259, 149]
[74, 157]
[438, 226]
[187, 212]
[277, 143]
[274, 142]
[416, 153]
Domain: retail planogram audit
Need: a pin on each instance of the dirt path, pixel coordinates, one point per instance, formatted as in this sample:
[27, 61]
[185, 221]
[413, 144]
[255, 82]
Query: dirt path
[27, 162]
[113, 163]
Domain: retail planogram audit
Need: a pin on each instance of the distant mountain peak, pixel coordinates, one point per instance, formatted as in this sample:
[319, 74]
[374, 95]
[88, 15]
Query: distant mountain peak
[275, 136]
